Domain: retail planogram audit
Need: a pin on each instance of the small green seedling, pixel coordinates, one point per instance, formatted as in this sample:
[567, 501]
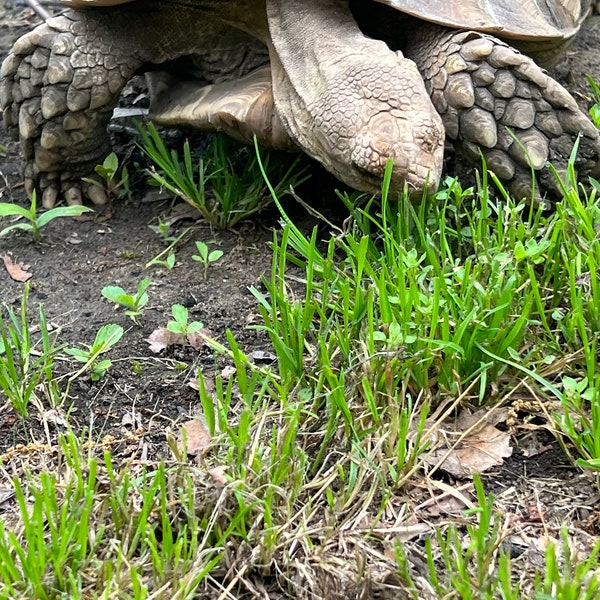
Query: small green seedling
[134, 304]
[35, 222]
[168, 262]
[595, 109]
[107, 336]
[164, 230]
[180, 324]
[108, 171]
[205, 257]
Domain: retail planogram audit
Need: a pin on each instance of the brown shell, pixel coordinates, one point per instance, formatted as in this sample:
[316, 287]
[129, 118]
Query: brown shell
[549, 20]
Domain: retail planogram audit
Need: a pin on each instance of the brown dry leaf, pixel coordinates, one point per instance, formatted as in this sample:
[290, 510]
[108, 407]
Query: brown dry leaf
[17, 271]
[83, 219]
[180, 212]
[162, 338]
[262, 356]
[6, 494]
[217, 474]
[479, 452]
[197, 438]
[483, 447]
[227, 372]
[56, 416]
[209, 383]
[197, 338]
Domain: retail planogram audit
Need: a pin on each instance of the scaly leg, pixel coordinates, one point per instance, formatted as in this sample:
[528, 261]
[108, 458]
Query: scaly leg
[488, 94]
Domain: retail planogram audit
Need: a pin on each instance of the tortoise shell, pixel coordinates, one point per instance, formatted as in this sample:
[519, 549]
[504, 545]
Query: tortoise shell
[527, 20]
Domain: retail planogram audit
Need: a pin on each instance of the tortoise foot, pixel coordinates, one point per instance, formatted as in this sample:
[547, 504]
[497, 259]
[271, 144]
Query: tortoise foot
[496, 102]
[58, 89]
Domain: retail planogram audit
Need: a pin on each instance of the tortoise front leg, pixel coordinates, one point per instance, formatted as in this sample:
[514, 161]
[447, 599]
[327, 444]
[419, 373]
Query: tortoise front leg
[496, 101]
[60, 85]
[62, 80]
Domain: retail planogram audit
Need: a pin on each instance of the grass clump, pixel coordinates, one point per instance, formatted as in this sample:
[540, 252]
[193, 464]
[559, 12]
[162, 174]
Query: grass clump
[92, 530]
[27, 365]
[306, 477]
[224, 185]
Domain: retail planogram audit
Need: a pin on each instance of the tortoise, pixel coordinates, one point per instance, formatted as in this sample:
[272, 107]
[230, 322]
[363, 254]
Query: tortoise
[352, 84]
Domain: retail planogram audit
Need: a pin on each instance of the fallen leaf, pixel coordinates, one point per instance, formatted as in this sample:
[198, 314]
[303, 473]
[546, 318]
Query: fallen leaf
[197, 339]
[217, 474]
[483, 447]
[262, 356]
[132, 419]
[228, 372]
[162, 338]
[6, 494]
[106, 215]
[17, 271]
[196, 437]
[56, 416]
[181, 212]
[209, 383]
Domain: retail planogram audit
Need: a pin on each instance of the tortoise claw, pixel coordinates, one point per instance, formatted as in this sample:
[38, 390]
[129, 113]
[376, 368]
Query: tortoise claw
[73, 196]
[97, 195]
[49, 196]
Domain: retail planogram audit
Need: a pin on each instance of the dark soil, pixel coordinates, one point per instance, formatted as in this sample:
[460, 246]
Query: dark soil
[147, 392]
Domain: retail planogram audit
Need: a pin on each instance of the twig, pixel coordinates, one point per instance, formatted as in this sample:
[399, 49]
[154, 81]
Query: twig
[39, 10]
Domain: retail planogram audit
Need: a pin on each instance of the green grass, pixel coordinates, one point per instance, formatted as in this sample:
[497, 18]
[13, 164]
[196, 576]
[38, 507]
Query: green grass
[223, 185]
[33, 223]
[382, 333]
[94, 531]
[27, 364]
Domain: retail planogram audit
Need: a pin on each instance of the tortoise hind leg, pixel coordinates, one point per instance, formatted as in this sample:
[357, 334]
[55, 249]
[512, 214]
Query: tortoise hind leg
[497, 101]
[243, 107]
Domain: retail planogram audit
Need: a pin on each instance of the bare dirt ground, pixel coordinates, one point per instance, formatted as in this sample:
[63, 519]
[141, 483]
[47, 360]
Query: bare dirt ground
[143, 394]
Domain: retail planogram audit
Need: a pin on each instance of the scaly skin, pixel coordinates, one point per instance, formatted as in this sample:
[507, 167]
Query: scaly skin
[488, 94]
[58, 98]
[349, 101]
[62, 80]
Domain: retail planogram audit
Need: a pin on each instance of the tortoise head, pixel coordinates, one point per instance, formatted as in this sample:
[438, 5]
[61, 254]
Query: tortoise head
[365, 110]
